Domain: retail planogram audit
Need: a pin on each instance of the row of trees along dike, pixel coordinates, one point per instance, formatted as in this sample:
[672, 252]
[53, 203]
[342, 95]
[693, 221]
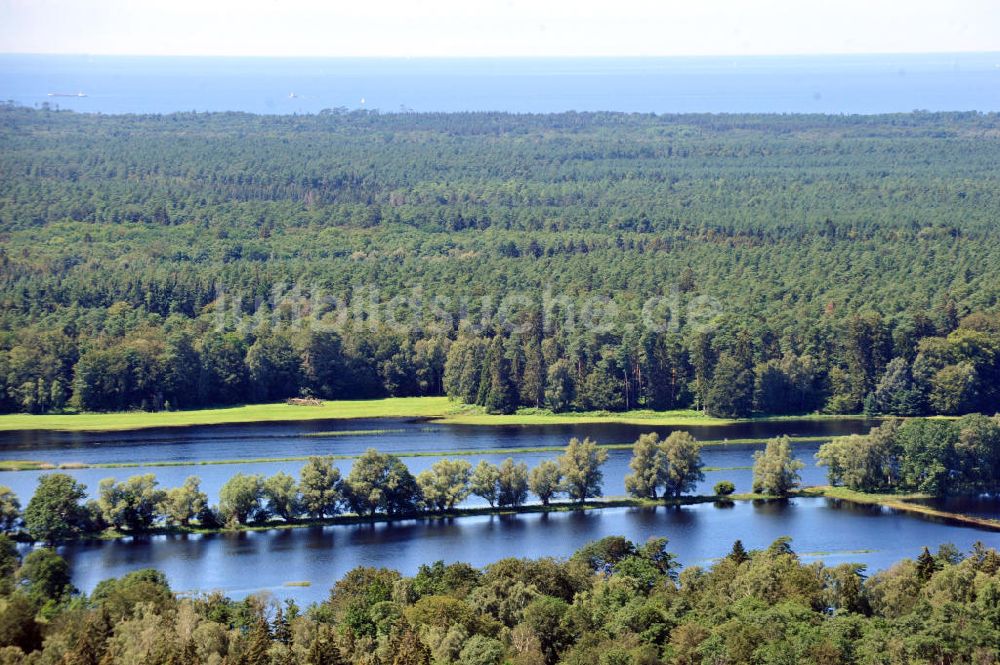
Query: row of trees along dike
[613, 602]
[931, 456]
[378, 484]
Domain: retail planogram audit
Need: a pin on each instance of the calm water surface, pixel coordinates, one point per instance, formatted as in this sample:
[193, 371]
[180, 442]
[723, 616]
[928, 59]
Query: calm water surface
[248, 562]
[189, 445]
[222, 442]
[242, 563]
[811, 84]
[214, 476]
[978, 506]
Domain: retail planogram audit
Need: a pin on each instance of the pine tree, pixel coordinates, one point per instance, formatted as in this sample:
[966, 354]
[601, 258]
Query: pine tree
[703, 359]
[497, 391]
[731, 392]
[926, 565]
[92, 644]
[533, 379]
[738, 554]
[259, 644]
[324, 650]
[282, 628]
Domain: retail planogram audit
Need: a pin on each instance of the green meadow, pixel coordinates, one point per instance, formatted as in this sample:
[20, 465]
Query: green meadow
[440, 409]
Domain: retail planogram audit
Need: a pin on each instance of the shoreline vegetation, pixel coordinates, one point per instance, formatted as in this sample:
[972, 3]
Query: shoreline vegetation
[896, 502]
[439, 410]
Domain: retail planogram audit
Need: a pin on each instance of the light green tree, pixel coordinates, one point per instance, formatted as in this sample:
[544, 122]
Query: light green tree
[185, 503]
[44, 574]
[381, 482]
[581, 469]
[649, 467]
[132, 505]
[512, 483]
[775, 470]
[321, 487]
[682, 454]
[54, 512]
[241, 498]
[445, 484]
[545, 480]
[724, 488]
[485, 482]
[481, 650]
[282, 496]
[10, 509]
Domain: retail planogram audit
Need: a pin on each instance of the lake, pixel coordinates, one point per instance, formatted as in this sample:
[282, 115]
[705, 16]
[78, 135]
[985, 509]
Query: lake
[760, 84]
[824, 529]
[250, 562]
[186, 446]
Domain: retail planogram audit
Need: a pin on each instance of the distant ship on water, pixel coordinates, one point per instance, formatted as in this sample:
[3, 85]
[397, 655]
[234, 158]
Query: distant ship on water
[67, 94]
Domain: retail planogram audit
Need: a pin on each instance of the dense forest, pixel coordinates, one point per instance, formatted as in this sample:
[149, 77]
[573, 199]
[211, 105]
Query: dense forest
[734, 263]
[614, 602]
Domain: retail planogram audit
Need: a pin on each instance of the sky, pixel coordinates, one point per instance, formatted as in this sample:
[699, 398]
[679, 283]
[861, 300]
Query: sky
[489, 28]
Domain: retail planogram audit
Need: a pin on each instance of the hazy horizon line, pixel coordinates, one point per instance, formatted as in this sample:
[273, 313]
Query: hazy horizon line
[845, 54]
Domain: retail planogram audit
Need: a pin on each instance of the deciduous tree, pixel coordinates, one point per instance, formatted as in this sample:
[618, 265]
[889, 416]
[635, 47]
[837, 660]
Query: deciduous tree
[54, 512]
[321, 487]
[581, 469]
[545, 480]
[775, 470]
[445, 484]
[485, 482]
[241, 498]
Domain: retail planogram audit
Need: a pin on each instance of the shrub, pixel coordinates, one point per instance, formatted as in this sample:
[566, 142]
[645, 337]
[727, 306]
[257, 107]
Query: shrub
[724, 488]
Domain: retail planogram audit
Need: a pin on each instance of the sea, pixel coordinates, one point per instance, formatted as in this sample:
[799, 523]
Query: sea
[843, 84]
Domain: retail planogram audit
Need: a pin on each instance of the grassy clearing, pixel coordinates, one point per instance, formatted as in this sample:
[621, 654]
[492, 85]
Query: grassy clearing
[393, 407]
[900, 502]
[439, 409]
